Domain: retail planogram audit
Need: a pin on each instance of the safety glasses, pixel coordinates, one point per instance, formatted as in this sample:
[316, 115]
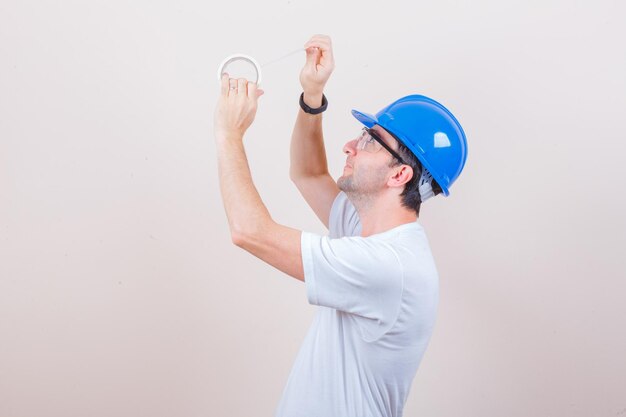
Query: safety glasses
[369, 141]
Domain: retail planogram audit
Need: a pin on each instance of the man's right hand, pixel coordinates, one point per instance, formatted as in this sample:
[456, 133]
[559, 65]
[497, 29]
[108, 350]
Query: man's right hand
[317, 69]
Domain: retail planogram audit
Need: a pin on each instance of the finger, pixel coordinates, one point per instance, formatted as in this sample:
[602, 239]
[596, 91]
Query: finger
[252, 89]
[321, 38]
[254, 92]
[232, 86]
[242, 88]
[224, 84]
[324, 51]
[321, 41]
[312, 57]
[324, 46]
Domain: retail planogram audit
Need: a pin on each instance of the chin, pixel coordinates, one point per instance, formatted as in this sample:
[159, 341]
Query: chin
[345, 183]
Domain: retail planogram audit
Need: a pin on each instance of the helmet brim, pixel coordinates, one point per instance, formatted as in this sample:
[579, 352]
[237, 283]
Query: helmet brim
[367, 119]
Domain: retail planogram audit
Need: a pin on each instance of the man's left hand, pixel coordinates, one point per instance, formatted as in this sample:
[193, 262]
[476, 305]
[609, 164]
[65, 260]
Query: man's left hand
[236, 107]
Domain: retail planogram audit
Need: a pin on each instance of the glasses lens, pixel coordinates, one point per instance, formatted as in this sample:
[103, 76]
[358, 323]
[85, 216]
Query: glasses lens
[371, 144]
[360, 143]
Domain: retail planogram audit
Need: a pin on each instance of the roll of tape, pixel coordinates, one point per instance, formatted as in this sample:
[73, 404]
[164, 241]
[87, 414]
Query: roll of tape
[243, 57]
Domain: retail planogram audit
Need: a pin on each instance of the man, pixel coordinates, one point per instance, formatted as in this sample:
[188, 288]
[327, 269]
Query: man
[373, 277]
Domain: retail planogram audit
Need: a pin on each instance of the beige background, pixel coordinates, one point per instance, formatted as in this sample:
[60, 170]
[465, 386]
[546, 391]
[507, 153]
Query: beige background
[121, 293]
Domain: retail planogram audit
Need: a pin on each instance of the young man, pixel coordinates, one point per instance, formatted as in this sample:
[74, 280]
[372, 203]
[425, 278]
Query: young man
[373, 277]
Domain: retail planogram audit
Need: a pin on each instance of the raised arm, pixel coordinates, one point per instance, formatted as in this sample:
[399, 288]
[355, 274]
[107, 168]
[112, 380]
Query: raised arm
[309, 168]
[251, 226]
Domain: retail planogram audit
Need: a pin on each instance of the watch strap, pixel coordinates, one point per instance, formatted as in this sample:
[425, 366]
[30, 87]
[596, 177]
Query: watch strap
[307, 109]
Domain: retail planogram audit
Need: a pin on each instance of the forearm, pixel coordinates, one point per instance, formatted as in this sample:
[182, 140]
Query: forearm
[251, 225]
[244, 208]
[307, 152]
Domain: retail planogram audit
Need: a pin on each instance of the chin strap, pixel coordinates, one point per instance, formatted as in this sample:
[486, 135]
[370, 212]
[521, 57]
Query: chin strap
[425, 187]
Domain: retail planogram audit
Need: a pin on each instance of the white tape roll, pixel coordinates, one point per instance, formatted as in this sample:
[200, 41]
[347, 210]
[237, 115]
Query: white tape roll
[243, 57]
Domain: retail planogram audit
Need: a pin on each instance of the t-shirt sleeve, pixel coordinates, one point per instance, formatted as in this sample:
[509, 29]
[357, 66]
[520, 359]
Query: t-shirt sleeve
[356, 275]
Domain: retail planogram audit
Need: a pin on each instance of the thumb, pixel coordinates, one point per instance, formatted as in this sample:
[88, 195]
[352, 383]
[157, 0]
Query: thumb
[312, 55]
[259, 93]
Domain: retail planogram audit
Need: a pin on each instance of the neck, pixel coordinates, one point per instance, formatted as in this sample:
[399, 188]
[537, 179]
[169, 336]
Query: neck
[380, 213]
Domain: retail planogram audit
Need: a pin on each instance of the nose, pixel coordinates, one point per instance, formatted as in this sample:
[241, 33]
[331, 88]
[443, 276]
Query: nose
[350, 147]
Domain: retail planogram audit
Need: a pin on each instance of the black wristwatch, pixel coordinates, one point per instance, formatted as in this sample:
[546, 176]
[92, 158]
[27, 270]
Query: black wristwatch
[310, 110]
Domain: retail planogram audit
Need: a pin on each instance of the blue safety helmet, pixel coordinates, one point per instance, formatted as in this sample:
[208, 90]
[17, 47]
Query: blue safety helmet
[429, 130]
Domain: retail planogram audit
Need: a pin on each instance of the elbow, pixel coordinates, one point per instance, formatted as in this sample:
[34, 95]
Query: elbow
[238, 238]
[248, 235]
[249, 232]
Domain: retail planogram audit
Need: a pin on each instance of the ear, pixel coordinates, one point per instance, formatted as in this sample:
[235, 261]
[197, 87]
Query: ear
[402, 175]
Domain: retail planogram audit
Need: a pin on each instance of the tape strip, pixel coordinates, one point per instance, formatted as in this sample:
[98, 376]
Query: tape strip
[282, 57]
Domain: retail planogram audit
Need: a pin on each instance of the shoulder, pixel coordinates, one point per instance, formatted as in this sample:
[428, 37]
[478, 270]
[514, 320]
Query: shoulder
[410, 243]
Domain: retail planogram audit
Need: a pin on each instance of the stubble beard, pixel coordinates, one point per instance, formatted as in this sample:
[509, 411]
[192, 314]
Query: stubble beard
[346, 184]
[362, 196]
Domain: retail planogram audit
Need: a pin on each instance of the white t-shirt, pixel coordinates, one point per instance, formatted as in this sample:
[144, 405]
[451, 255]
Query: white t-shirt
[378, 298]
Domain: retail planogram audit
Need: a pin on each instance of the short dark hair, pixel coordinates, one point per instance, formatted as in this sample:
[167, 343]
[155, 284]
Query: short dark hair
[411, 198]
